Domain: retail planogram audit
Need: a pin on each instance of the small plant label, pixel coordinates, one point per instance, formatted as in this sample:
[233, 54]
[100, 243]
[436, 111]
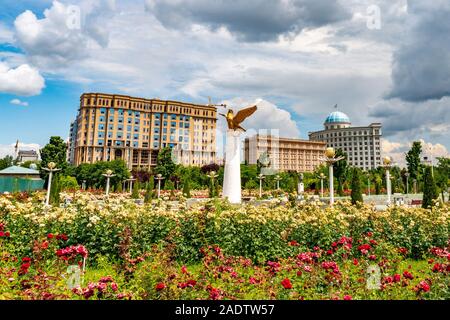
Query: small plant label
[374, 277]
[73, 277]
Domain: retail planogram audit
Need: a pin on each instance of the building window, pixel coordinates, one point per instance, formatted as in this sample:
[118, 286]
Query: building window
[101, 142]
[102, 110]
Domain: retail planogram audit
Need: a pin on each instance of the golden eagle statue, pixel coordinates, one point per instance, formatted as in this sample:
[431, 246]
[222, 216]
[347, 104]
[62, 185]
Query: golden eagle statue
[234, 121]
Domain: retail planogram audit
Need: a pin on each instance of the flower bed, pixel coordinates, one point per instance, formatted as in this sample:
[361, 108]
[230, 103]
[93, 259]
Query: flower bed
[231, 252]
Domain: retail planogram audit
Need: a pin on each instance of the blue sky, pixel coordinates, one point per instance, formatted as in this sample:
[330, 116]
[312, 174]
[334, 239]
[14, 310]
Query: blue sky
[295, 58]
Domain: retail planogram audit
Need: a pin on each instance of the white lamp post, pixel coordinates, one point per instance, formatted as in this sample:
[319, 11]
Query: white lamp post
[330, 159]
[321, 177]
[387, 164]
[109, 174]
[130, 181]
[159, 177]
[261, 178]
[51, 167]
[278, 179]
[213, 175]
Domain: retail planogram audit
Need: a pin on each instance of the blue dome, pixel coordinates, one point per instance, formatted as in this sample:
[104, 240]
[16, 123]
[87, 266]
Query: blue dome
[337, 116]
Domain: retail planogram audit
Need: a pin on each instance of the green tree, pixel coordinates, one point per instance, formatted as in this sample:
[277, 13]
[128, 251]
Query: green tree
[165, 165]
[340, 171]
[55, 190]
[413, 160]
[443, 175]
[186, 187]
[430, 192]
[169, 185]
[356, 187]
[68, 183]
[378, 183]
[119, 188]
[149, 190]
[54, 151]
[6, 162]
[135, 193]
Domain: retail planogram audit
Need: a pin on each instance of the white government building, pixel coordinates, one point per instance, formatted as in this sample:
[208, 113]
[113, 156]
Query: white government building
[361, 144]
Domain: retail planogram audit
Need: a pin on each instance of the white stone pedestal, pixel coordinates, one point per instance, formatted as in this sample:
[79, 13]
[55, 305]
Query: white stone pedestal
[232, 174]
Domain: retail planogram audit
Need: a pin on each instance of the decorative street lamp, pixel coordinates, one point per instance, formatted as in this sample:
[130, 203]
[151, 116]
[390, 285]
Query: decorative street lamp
[261, 178]
[212, 175]
[368, 183]
[330, 159]
[159, 177]
[130, 183]
[407, 174]
[321, 177]
[109, 174]
[387, 163]
[51, 167]
[278, 179]
[415, 186]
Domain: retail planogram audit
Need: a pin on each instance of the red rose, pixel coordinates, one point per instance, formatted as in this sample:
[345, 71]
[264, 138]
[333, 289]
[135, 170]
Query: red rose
[7, 234]
[355, 262]
[184, 269]
[2, 234]
[286, 283]
[44, 245]
[347, 297]
[396, 278]
[372, 257]
[50, 236]
[424, 286]
[160, 286]
[408, 275]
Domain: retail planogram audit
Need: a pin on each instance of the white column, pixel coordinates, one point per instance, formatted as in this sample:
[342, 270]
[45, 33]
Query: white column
[321, 188]
[232, 174]
[107, 186]
[159, 188]
[388, 186]
[47, 198]
[331, 184]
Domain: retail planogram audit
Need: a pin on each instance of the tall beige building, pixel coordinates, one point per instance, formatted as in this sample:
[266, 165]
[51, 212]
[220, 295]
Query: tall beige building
[361, 144]
[286, 154]
[110, 127]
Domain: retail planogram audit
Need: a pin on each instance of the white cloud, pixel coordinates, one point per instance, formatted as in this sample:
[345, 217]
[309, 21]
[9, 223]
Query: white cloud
[23, 80]
[8, 149]
[397, 150]
[61, 36]
[19, 102]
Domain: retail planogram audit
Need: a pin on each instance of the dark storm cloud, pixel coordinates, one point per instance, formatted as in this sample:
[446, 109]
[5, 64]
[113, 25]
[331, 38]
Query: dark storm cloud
[249, 20]
[421, 64]
[413, 118]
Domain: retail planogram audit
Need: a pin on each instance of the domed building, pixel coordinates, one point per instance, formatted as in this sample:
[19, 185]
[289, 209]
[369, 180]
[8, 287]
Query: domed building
[361, 144]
